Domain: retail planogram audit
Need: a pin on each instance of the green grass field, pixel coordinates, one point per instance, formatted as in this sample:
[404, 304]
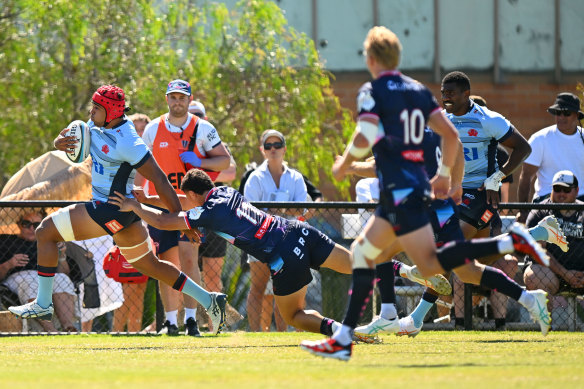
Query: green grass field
[251, 360]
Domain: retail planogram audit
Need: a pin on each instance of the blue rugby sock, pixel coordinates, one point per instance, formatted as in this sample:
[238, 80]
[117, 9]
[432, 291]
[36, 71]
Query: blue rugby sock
[46, 276]
[190, 288]
[422, 309]
[539, 233]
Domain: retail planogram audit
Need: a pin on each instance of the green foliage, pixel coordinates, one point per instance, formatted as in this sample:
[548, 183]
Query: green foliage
[250, 69]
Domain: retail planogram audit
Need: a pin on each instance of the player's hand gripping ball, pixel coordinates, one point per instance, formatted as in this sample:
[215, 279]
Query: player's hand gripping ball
[80, 130]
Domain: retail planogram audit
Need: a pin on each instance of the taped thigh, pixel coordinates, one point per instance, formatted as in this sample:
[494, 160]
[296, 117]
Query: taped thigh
[137, 252]
[363, 251]
[62, 220]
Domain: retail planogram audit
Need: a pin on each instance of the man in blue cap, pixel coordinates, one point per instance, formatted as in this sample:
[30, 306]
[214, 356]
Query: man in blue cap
[180, 141]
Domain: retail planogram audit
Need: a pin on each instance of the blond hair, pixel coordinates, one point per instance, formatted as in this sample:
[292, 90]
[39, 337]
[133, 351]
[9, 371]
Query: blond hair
[384, 46]
[138, 117]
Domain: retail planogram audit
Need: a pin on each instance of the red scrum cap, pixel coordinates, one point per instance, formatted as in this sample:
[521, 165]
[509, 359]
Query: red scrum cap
[112, 99]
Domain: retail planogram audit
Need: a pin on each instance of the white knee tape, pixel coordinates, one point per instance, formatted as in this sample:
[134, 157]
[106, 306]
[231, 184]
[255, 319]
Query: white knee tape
[362, 251]
[131, 258]
[62, 220]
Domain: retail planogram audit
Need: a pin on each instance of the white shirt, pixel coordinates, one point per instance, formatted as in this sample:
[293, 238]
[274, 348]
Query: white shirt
[552, 151]
[367, 190]
[260, 185]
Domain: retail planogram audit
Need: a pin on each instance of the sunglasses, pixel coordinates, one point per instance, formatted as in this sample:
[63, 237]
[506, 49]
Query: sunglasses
[565, 189]
[276, 145]
[562, 113]
[28, 224]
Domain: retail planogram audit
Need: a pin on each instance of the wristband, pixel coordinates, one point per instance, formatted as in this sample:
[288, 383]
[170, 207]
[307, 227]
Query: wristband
[444, 171]
[494, 181]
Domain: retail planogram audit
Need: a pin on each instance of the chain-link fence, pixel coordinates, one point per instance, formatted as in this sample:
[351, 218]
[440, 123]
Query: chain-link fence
[87, 299]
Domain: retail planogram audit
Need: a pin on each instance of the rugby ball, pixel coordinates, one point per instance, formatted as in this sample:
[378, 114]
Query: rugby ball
[80, 130]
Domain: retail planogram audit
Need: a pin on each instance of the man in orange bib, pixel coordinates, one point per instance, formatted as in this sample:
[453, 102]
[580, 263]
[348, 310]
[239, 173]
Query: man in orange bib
[180, 141]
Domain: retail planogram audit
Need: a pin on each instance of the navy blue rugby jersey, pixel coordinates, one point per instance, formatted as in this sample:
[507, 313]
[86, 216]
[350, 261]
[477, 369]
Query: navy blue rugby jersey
[403, 107]
[432, 152]
[227, 213]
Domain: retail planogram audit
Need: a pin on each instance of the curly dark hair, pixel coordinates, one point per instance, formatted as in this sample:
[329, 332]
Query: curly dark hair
[459, 78]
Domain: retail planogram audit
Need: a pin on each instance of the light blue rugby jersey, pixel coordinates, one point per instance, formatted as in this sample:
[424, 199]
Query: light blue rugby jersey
[480, 129]
[116, 153]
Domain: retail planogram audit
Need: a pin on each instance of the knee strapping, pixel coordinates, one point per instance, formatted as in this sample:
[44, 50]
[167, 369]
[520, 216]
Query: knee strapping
[137, 252]
[362, 251]
[62, 220]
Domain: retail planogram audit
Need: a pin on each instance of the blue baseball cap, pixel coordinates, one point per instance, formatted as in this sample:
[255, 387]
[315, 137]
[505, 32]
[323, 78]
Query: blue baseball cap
[179, 86]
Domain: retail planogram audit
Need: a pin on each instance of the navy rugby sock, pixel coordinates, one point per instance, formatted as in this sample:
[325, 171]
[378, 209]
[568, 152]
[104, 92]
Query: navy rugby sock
[495, 279]
[386, 282]
[455, 254]
[360, 294]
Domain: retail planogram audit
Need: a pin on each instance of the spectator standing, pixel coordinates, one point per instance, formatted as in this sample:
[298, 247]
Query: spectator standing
[212, 250]
[18, 262]
[566, 271]
[271, 181]
[554, 148]
[179, 141]
[140, 121]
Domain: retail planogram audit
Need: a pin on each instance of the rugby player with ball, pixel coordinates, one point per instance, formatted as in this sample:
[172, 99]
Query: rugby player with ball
[117, 152]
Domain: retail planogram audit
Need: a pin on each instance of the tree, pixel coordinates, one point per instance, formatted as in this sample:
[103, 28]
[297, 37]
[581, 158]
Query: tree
[250, 69]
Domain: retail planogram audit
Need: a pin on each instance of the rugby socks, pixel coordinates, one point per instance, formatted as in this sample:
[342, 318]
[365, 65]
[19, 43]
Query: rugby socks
[397, 266]
[190, 312]
[539, 233]
[455, 254]
[171, 317]
[385, 282]
[424, 306]
[46, 276]
[190, 288]
[360, 295]
[496, 280]
[328, 326]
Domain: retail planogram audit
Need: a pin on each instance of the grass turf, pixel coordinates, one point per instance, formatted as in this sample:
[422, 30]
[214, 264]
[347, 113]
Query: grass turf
[253, 360]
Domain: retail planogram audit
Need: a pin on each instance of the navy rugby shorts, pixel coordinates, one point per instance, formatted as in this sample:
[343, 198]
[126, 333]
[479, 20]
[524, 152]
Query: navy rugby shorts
[474, 209]
[109, 217]
[303, 248]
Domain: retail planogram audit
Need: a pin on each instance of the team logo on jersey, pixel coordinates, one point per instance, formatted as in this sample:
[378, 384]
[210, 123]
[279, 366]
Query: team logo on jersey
[163, 144]
[365, 101]
[105, 149]
[212, 135]
[487, 216]
[473, 132]
[185, 143]
[114, 226]
[195, 213]
[413, 155]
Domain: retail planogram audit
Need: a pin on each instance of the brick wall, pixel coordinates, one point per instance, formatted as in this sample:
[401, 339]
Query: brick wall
[523, 99]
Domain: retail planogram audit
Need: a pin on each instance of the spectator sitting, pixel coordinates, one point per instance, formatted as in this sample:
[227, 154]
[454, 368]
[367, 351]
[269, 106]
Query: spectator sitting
[566, 271]
[271, 181]
[554, 148]
[18, 264]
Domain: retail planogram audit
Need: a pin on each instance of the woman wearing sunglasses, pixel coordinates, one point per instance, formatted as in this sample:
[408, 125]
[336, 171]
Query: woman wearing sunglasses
[554, 148]
[273, 180]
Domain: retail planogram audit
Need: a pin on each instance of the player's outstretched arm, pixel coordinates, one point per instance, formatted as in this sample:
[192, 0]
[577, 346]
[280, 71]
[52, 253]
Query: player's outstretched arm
[138, 192]
[154, 217]
[151, 171]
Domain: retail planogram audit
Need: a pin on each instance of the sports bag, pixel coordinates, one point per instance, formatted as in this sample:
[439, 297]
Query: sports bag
[116, 267]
